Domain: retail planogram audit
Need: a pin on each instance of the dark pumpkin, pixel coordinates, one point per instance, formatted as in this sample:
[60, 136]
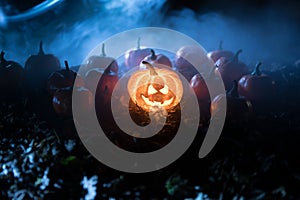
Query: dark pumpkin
[198, 85]
[11, 79]
[62, 100]
[105, 85]
[231, 69]
[63, 78]
[38, 68]
[238, 108]
[191, 53]
[102, 62]
[217, 54]
[133, 57]
[256, 86]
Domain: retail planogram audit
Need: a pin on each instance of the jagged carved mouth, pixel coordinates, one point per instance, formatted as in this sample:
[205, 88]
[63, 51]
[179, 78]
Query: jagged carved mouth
[157, 103]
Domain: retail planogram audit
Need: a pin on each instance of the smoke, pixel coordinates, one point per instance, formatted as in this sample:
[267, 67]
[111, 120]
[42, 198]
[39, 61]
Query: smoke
[74, 29]
[267, 36]
[2, 18]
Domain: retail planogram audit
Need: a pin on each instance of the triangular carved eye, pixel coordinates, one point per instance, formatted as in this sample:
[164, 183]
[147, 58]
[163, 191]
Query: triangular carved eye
[164, 90]
[151, 90]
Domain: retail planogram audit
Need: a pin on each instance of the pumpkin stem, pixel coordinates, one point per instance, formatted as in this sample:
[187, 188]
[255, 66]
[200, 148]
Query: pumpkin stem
[151, 68]
[221, 45]
[41, 50]
[103, 50]
[67, 65]
[2, 59]
[235, 58]
[234, 90]
[211, 72]
[256, 71]
[153, 56]
[138, 43]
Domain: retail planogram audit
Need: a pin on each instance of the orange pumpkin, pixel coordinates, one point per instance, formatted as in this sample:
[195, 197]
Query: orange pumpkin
[155, 87]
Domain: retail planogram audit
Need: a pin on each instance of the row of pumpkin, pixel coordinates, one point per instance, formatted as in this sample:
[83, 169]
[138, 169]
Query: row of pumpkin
[42, 73]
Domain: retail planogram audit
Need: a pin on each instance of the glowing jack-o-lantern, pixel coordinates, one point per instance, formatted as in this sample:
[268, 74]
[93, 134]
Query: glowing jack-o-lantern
[155, 88]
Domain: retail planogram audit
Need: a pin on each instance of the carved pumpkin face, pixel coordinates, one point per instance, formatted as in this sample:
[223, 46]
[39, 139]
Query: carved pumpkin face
[155, 88]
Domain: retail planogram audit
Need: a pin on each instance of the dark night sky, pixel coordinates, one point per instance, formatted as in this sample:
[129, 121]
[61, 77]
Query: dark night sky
[235, 7]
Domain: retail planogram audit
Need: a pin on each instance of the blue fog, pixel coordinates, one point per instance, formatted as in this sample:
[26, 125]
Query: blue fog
[70, 31]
